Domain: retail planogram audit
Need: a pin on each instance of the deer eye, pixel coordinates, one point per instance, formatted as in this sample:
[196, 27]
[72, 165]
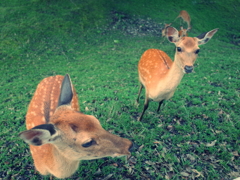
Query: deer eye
[88, 144]
[179, 49]
[197, 51]
[74, 127]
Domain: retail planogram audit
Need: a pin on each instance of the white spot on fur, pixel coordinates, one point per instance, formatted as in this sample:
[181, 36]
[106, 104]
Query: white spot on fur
[32, 125]
[33, 113]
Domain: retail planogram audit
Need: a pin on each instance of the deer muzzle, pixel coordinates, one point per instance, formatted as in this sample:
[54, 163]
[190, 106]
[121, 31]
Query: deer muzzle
[188, 69]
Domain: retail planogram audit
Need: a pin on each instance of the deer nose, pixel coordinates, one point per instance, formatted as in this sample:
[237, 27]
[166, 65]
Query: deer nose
[188, 69]
[133, 147]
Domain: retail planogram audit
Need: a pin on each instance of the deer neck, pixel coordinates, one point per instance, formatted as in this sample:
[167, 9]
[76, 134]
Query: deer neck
[64, 166]
[168, 84]
[175, 73]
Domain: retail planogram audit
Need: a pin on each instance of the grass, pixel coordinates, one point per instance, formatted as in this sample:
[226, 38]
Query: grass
[196, 135]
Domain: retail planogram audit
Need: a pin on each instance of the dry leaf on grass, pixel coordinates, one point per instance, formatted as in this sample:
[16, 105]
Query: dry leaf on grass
[198, 173]
[211, 144]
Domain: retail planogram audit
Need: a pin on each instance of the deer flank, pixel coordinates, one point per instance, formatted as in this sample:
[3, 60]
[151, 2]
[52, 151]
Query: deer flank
[185, 17]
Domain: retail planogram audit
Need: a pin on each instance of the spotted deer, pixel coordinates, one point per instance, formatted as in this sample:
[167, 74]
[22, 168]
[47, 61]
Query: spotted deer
[60, 136]
[185, 17]
[160, 75]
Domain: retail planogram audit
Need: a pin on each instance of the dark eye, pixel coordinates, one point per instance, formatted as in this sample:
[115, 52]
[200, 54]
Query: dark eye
[197, 51]
[74, 127]
[179, 49]
[88, 144]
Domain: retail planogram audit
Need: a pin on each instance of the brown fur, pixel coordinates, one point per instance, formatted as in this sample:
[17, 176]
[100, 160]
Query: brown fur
[182, 32]
[186, 17]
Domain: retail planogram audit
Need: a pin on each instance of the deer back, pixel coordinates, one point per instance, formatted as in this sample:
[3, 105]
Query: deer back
[185, 16]
[45, 101]
[153, 66]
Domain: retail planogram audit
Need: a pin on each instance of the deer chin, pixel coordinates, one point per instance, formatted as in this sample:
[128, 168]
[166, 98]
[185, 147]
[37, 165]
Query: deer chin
[119, 155]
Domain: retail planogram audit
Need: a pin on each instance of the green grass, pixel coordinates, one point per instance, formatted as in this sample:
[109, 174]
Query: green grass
[197, 129]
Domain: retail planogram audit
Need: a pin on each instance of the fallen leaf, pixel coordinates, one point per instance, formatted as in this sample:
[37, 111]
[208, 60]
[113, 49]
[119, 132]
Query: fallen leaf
[217, 132]
[140, 148]
[237, 178]
[149, 162]
[98, 171]
[191, 157]
[108, 177]
[170, 127]
[184, 174]
[211, 144]
[115, 164]
[157, 142]
[235, 153]
[169, 175]
[198, 173]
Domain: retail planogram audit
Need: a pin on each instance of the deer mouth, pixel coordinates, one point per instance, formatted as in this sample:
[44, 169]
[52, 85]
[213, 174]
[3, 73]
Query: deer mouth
[120, 155]
[188, 69]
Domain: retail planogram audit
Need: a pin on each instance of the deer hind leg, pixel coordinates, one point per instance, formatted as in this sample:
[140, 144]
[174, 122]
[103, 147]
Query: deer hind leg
[189, 26]
[146, 103]
[159, 105]
[139, 92]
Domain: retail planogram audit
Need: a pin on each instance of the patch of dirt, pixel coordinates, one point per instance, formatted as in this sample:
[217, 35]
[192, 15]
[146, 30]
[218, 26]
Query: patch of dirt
[134, 25]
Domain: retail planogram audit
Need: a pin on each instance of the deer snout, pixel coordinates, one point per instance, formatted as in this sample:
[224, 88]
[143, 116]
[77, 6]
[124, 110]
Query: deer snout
[133, 147]
[188, 69]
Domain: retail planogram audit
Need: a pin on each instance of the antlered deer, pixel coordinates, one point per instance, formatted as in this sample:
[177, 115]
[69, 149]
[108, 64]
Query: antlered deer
[160, 75]
[183, 32]
[185, 16]
[60, 136]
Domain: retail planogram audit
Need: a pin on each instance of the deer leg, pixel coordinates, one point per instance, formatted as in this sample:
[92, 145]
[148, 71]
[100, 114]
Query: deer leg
[139, 92]
[144, 108]
[159, 105]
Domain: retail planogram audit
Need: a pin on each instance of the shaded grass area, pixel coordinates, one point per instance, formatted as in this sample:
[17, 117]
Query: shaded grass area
[196, 135]
[204, 14]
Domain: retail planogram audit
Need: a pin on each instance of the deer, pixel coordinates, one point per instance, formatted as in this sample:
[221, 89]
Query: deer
[60, 136]
[185, 16]
[183, 32]
[159, 75]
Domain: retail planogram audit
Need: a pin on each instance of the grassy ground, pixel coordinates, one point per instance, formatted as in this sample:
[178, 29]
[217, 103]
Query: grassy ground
[196, 135]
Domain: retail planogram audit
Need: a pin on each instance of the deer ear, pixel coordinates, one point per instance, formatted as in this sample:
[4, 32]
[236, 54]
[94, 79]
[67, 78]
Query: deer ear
[205, 37]
[39, 135]
[172, 34]
[66, 93]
